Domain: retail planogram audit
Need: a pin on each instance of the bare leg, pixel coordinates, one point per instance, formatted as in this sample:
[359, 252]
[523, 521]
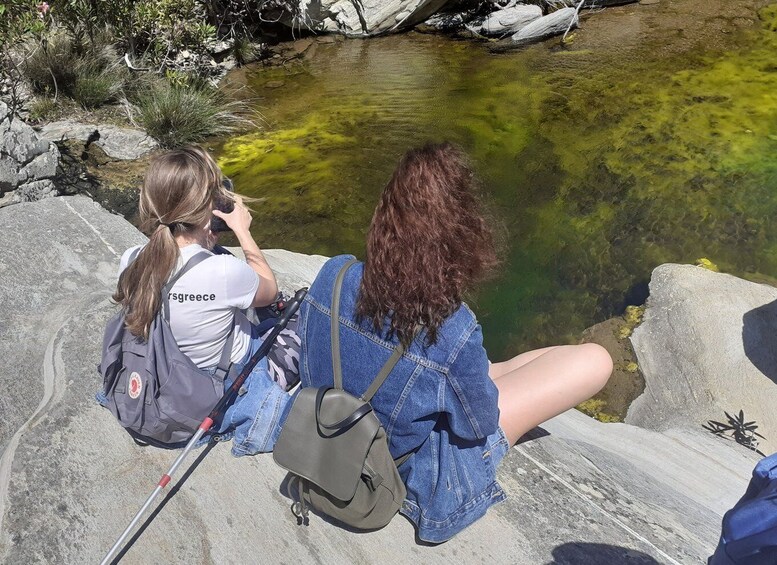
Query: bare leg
[497, 370]
[548, 384]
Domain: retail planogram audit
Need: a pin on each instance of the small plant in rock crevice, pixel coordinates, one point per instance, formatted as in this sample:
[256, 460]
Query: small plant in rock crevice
[41, 108]
[737, 429]
[243, 50]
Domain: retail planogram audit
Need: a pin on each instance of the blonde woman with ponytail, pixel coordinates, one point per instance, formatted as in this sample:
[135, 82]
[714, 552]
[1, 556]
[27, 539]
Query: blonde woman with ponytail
[208, 301]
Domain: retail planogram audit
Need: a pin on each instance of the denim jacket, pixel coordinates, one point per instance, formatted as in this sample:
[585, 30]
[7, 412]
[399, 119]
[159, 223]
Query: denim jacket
[438, 403]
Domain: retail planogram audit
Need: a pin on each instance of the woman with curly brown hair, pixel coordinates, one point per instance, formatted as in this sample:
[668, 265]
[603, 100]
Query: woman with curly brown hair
[443, 402]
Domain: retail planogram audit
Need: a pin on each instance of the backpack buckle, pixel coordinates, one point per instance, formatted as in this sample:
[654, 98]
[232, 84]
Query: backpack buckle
[373, 480]
[299, 508]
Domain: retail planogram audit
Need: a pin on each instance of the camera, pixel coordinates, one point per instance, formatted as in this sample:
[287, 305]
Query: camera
[225, 205]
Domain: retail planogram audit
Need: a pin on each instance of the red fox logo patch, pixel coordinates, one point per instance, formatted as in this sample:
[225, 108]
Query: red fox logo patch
[135, 385]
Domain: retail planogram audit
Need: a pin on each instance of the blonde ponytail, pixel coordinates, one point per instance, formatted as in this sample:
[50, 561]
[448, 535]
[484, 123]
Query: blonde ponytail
[177, 195]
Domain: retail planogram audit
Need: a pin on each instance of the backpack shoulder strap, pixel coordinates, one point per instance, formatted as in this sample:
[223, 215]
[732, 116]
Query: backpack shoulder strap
[336, 362]
[337, 369]
[190, 264]
[399, 350]
[225, 362]
[384, 373]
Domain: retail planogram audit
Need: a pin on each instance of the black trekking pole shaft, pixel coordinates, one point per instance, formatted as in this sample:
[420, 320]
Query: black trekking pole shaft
[289, 311]
[291, 308]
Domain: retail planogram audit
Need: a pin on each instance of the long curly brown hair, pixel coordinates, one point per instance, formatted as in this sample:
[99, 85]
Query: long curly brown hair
[428, 242]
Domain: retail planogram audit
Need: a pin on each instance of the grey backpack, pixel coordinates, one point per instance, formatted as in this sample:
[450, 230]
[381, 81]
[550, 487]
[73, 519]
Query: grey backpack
[151, 387]
[336, 450]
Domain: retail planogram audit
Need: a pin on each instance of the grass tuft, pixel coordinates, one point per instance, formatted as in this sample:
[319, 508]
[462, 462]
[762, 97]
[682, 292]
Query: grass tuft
[42, 108]
[95, 85]
[176, 115]
[50, 67]
[243, 50]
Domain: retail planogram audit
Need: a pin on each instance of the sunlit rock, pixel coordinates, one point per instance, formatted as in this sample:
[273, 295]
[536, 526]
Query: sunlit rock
[579, 491]
[367, 17]
[707, 346]
[125, 144]
[28, 163]
[509, 20]
[546, 26]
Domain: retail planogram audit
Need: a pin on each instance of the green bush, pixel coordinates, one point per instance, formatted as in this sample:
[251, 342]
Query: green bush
[20, 18]
[177, 115]
[160, 27]
[59, 65]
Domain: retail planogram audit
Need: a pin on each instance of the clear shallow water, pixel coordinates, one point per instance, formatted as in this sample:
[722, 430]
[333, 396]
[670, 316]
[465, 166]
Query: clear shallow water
[598, 165]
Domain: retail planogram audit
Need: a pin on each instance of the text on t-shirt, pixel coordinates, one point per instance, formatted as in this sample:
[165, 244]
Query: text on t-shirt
[183, 297]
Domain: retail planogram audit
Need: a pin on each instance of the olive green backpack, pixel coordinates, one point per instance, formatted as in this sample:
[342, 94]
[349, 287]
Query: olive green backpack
[336, 450]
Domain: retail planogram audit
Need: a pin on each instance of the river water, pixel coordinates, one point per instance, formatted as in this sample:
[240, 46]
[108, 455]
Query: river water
[650, 138]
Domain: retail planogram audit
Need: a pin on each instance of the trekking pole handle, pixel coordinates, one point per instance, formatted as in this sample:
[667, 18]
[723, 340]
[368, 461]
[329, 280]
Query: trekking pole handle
[292, 306]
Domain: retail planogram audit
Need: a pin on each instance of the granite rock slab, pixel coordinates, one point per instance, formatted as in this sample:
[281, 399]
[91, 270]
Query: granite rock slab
[707, 346]
[125, 144]
[579, 491]
[555, 23]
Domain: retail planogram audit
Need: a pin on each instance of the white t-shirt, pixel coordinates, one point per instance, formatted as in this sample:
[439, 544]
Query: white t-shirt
[206, 302]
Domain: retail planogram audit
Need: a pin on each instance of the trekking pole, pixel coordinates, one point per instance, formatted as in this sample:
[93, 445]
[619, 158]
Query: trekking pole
[291, 308]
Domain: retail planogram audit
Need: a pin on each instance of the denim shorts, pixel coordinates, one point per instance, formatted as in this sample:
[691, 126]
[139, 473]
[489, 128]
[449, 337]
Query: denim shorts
[254, 419]
[499, 446]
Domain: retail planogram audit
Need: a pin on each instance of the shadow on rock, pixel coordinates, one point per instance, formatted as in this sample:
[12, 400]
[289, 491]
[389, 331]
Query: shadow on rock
[577, 553]
[139, 532]
[759, 329]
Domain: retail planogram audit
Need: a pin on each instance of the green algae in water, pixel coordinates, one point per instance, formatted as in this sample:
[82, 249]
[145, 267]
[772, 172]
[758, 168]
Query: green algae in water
[597, 175]
[298, 177]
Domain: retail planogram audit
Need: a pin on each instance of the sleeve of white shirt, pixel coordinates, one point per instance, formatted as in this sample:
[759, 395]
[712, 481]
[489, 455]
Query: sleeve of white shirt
[125, 258]
[241, 282]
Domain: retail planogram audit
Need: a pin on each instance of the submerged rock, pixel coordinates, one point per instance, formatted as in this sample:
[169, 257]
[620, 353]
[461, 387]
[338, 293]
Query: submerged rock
[707, 345]
[552, 24]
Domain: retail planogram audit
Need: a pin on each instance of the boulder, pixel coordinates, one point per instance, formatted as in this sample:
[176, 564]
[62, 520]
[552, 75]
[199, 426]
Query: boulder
[546, 26]
[509, 20]
[365, 17]
[592, 4]
[125, 144]
[71, 479]
[28, 163]
[707, 345]
[35, 190]
[445, 22]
